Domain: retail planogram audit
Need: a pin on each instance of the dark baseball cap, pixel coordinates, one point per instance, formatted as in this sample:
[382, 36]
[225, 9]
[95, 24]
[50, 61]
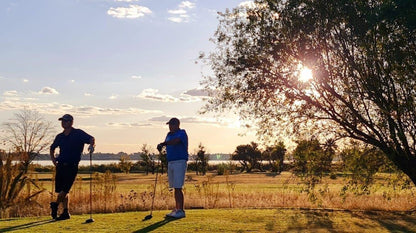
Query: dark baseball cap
[173, 121]
[66, 117]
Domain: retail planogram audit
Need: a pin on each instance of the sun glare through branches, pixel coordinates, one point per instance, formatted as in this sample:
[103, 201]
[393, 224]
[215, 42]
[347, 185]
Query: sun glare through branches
[305, 74]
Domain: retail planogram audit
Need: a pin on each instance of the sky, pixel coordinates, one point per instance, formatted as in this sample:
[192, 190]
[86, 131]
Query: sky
[122, 68]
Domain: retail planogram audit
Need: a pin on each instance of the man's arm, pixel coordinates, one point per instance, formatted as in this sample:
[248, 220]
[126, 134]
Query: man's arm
[52, 153]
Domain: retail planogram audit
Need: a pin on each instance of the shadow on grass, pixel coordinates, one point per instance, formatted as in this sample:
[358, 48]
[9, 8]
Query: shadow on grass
[156, 225]
[26, 225]
[389, 220]
[311, 220]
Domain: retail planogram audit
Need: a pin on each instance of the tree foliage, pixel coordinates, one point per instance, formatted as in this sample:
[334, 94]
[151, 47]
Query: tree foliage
[275, 155]
[148, 159]
[363, 59]
[201, 160]
[249, 156]
[309, 157]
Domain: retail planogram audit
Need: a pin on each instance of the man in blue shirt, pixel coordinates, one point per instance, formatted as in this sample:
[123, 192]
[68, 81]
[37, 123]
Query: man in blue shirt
[176, 143]
[71, 144]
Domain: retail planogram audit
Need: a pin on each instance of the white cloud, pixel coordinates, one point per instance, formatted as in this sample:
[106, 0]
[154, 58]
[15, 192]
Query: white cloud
[180, 15]
[136, 77]
[127, 0]
[176, 19]
[247, 4]
[131, 12]
[48, 91]
[113, 97]
[177, 12]
[87, 94]
[25, 80]
[72, 81]
[187, 4]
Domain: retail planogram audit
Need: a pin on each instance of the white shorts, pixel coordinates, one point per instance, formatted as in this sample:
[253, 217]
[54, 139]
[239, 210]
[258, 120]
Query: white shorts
[176, 173]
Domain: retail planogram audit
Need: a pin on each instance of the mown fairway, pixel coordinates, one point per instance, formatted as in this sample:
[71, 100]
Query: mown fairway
[224, 220]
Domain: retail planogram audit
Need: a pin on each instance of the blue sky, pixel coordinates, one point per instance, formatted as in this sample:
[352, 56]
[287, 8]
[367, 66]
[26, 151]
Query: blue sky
[122, 68]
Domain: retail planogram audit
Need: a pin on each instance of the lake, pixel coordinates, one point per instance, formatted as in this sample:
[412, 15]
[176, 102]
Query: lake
[105, 162]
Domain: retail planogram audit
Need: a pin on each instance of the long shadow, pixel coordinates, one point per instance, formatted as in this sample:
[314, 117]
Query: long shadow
[26, 225]
[389, 221]
[155, 225]
[316, 220]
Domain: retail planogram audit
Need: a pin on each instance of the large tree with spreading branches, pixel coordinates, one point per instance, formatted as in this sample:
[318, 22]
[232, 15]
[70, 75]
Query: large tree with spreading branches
[362, 57]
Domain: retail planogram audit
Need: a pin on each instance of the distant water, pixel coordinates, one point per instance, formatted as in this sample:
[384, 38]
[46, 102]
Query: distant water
[105, 162]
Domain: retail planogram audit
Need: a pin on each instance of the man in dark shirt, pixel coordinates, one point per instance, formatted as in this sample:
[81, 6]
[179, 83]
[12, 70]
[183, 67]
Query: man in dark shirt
[71, 144]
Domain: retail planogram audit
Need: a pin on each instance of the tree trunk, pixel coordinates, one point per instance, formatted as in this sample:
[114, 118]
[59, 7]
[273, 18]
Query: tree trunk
[408, 166]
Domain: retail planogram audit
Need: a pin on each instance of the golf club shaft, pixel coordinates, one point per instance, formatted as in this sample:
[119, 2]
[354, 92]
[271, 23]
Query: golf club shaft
[154, 192]
[90, 185]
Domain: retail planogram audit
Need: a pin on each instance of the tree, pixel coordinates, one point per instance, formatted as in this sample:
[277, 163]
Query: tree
[275, 155]
[201, 160]
[148, 159]
[125, 163]
[362, 55]
[163, 160]
[362, 163]
[28, 134]
[310, 158]
[248, 155]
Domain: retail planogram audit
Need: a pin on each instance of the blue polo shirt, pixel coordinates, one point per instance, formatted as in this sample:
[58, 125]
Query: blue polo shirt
[70, 146]
[178, 151]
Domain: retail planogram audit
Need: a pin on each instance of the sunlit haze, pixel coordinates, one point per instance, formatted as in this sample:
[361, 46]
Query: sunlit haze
[122, 68]
[305, 74]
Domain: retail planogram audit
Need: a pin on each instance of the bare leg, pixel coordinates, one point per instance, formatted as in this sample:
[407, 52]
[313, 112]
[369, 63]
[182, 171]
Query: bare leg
[179, 199]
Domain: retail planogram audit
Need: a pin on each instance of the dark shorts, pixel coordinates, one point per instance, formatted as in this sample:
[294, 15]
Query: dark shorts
[65, 176]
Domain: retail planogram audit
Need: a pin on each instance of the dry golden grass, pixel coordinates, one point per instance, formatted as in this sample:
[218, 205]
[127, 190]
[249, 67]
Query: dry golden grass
[134, 192]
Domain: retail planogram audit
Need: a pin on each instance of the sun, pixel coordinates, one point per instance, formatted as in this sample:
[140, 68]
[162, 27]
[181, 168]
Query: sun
[305, 74]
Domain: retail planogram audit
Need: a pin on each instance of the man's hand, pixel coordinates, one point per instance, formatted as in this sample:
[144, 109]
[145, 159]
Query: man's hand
[160, 146]
[91, 148]
[54, 162]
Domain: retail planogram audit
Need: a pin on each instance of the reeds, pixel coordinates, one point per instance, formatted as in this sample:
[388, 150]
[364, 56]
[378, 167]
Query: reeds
[111, 193]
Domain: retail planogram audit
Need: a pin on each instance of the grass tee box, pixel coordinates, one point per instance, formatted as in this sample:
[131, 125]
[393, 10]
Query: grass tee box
[224, 220]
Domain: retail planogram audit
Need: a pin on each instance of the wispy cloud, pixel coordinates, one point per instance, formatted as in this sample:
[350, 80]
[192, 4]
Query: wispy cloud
[48, 91]
[10, 93]
[180, 14]
[88, 94]
[196, 92]
[58, 108]
[128, 125]
[136, 77]
[217, 122]
[25, 80]
[113, 97]
[153, 94]
[131, 12]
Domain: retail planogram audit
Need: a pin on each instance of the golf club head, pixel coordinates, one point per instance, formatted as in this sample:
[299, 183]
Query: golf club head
[90, 220]
[147, 217]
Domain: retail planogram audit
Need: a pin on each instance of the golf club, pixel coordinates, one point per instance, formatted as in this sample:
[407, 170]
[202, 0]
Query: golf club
[90, 220]
[153, 199]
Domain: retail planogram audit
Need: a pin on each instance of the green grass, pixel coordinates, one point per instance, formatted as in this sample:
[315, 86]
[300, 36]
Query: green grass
[224, 220]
